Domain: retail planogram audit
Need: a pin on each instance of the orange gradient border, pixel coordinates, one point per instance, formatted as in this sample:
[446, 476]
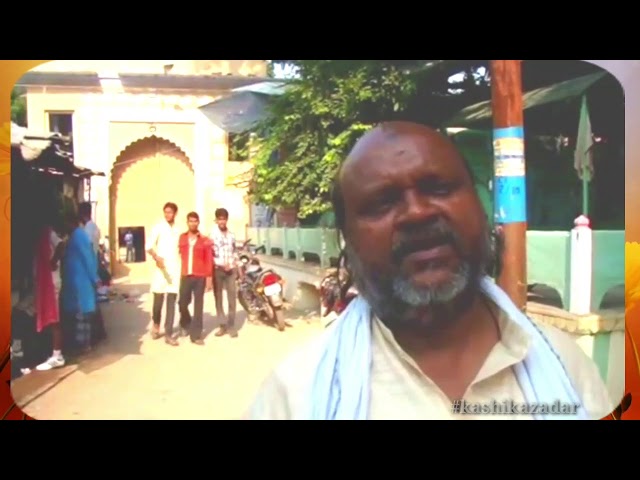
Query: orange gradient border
[624, 70]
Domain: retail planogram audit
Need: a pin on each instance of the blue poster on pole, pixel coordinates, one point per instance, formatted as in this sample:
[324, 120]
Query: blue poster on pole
[510, 187]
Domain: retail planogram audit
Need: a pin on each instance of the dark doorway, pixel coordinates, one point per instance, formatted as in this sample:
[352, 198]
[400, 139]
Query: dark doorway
[131, 241]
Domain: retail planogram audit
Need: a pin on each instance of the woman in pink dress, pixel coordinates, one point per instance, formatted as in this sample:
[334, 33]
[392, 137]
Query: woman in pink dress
[47, 292]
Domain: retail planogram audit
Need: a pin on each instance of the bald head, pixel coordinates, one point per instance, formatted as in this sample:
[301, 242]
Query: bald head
[412, 221]
[390, 140]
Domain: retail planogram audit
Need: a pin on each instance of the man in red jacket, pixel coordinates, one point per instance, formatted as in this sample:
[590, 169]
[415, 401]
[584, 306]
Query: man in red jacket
[197, 265]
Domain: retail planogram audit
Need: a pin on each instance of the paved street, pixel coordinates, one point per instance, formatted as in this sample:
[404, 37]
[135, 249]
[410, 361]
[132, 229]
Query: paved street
[133, 377]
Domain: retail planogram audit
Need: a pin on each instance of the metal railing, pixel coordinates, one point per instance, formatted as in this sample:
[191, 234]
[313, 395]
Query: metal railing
[548, 255]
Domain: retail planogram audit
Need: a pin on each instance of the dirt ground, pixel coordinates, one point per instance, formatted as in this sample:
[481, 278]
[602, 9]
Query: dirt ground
[131, 376]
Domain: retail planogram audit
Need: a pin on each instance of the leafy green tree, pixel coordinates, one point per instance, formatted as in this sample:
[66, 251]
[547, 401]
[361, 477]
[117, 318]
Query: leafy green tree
[330, 103]
[18, 108]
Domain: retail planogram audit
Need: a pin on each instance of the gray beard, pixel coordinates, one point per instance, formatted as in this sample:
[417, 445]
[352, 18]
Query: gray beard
[398, 302]
[415, 297]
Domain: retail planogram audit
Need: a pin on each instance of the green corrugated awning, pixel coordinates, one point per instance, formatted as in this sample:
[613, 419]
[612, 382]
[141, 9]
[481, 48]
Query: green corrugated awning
[244, 107]
[266, 88]
[237, 112]
[558, 92]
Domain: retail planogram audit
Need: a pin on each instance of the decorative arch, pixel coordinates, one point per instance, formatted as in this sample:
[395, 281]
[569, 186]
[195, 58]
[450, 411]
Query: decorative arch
[129, 159]
[611, 299]
[548, 294]
[140, 149]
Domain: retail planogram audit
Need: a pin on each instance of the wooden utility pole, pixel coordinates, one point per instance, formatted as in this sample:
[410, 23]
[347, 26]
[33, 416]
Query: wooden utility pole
[509, 187]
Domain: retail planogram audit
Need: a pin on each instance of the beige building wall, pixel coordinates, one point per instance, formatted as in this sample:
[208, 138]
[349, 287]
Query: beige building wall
[256, 68]
[106, 126]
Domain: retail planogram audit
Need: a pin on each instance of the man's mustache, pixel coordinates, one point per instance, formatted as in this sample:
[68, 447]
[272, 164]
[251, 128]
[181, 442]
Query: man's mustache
[424, 237]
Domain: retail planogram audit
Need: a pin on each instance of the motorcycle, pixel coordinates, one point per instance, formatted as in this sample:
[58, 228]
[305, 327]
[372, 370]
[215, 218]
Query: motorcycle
[260, 291]
[247, 251]
[332, 297]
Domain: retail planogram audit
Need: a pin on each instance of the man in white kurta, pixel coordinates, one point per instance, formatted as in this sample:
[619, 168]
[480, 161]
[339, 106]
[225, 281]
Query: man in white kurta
[165, 281]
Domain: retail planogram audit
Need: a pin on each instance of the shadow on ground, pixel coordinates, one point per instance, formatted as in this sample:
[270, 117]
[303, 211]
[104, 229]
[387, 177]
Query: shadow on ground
[212, 322]
[125, 327]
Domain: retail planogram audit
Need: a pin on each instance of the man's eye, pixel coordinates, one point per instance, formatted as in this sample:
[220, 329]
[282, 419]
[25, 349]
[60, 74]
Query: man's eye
[379, 206]
[437, 188]
[443, 189]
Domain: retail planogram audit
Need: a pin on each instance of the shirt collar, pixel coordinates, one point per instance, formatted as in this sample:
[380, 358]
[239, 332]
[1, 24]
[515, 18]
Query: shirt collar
[512, 348]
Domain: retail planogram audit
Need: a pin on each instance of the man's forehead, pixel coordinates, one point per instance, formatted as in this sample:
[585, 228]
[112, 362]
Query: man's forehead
[400, 141]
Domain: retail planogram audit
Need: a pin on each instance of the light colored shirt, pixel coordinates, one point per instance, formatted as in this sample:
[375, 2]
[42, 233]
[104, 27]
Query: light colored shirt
[192, 243]
[128, 239]
[400, 391]
[164, 242]
[55, 240]
[94, 234]
[224, 248]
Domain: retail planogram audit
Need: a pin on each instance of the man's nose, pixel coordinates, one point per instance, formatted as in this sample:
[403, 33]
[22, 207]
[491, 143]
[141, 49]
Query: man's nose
[417, 208]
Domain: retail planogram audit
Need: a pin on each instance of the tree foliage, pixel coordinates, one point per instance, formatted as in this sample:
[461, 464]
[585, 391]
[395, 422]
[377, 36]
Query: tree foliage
[18, 108]
[313, 125]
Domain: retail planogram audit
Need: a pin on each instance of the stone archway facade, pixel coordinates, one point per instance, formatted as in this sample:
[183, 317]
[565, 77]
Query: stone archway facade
[147, 174]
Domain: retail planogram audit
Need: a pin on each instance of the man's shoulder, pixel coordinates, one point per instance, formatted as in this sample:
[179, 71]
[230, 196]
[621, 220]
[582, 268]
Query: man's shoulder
[302, 360]
[206, 240]
[80, 235]
[582, 371]
[162, 226]
[283, 395]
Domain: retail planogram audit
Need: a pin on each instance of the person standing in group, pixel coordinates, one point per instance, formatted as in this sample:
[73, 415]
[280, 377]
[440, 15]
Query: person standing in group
[165, 282]
[85, 211]
[48, 254]
[79, 282]
[225, 271]
[196, 258]
[131, 251]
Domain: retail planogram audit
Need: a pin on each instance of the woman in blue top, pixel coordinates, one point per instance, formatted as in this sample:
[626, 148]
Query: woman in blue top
[79, 281]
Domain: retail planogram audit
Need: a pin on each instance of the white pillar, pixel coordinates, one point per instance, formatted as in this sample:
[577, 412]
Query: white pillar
[581, 267]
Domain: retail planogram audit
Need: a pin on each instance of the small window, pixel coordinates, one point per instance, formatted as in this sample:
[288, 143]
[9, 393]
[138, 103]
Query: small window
[61, 123]
[239, 147]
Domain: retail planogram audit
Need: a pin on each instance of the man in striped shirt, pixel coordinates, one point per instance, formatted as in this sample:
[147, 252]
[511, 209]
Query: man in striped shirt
[225, 271]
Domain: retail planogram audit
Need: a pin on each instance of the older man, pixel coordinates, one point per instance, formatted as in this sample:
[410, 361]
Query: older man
[430, 336]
